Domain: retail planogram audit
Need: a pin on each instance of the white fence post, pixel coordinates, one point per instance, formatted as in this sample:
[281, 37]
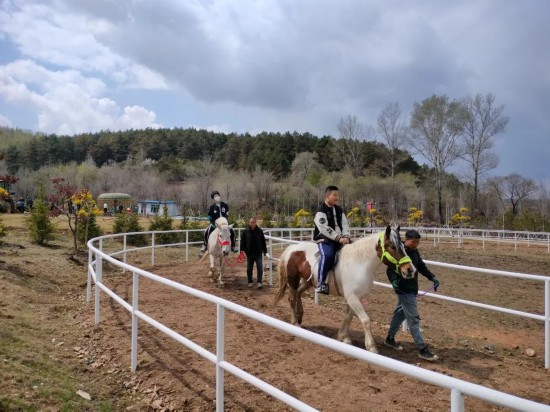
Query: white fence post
[457, 401]
[124, 251]
[135, 299]
[270, 250]
[89, 283]
[98, 280]
[186, 245]
[547, 324]
[153, 250]
[220, 348]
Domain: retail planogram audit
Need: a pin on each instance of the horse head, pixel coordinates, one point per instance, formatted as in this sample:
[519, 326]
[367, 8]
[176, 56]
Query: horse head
[391, 251]
[224, 236]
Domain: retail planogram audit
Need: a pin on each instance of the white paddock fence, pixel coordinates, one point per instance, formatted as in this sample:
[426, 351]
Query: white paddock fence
[97, 256]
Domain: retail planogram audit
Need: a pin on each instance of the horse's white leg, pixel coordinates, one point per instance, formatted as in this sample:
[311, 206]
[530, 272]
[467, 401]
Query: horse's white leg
[343, 333]
[212, 265]
[355, 304]
[220, 278]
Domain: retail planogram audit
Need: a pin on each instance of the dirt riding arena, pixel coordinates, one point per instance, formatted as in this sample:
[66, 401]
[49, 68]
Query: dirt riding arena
[476, 345]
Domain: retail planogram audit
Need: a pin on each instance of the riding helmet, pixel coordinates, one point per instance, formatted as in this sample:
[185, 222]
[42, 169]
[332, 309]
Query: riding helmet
[214, 193]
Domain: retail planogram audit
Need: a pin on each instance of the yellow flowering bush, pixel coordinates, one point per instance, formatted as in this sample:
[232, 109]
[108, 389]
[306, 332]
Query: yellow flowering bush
[415, 216]
[301, 218]
[4, 194]
[461, 217]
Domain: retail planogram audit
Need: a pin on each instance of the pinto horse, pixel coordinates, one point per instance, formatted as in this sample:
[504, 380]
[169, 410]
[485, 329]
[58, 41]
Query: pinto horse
[219, 243]
[351, 278]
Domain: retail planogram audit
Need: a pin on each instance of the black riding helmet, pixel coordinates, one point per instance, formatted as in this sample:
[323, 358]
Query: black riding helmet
[214, 193]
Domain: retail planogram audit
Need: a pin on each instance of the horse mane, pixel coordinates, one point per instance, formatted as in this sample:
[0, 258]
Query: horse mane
[221, 221]
[362, 247]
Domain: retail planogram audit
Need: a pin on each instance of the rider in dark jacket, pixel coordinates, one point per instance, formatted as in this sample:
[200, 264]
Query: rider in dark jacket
[217, 209]
[331, 232]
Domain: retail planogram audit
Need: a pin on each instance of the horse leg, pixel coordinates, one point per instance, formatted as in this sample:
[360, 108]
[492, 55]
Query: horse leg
[220, 277]
[355, 304]
[299, 308]
[292, 299]
[212, 272]
[343, 333]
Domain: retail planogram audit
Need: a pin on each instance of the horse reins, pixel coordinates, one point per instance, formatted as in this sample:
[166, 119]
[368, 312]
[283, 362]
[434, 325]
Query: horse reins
[390, 258]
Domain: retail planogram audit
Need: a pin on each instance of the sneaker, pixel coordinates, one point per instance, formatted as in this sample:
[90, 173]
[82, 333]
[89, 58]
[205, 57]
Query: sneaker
[393, 344]
[427, 355]
[322, 288]
[260, 285]
[250, 285]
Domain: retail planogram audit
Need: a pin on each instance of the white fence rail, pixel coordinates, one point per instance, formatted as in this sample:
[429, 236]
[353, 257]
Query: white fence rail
[97, 256]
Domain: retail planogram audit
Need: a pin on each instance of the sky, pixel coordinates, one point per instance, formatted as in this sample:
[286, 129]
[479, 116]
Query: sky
[73, 66]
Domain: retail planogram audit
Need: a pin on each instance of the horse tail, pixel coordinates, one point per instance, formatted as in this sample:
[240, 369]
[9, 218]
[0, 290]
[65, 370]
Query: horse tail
[283, 278]
[204, 256]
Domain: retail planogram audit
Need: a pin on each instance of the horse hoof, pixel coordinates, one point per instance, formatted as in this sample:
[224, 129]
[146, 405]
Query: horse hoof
[347, 341]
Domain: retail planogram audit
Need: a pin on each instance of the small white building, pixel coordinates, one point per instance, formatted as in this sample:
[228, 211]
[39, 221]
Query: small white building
[156, 207]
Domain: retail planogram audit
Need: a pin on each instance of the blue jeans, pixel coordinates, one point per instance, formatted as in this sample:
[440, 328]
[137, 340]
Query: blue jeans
[327, 252]
[250, 260]
[406, 309]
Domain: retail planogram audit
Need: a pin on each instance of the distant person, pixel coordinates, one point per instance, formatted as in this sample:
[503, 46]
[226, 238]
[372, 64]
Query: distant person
[217, 209]
[120, 208]
[20, 205]
[253, 245]
[30, 202]
[105, 209]
[70, 206]
[406, 291]
[331, 233]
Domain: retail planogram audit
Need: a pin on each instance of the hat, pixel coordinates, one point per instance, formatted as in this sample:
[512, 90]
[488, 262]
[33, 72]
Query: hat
[214, 193]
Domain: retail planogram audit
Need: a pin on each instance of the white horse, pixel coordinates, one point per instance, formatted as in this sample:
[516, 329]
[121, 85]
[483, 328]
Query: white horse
[352, 277]
[219, 244]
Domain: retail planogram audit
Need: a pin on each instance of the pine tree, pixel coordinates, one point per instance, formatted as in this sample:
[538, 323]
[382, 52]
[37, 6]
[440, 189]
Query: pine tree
[41, 228]
[163, 222]
[127, 223]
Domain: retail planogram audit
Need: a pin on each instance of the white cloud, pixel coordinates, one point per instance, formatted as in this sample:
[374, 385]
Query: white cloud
[68, 102]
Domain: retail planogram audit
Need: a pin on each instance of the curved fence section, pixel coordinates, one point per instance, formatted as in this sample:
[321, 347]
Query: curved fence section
[97, 257]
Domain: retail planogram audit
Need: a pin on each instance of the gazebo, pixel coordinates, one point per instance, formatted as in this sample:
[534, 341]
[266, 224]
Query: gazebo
[114, 201]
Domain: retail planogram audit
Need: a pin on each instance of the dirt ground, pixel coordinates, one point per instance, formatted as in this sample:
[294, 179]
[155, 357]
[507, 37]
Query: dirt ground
[47, 331]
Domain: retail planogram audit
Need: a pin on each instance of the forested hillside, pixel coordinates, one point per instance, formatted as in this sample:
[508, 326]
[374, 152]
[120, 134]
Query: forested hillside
[269, 174]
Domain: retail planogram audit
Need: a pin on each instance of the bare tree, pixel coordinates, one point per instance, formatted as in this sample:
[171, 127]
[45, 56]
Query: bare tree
[352, 134]
[262, 183]
[437, 125]
[513, 189]
[393, 131]
[484, 120]
[202, 177]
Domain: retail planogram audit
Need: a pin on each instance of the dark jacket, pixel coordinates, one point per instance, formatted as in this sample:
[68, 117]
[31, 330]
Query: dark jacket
[330, 223]
[253, 242]
[410, 286]
[216, 211]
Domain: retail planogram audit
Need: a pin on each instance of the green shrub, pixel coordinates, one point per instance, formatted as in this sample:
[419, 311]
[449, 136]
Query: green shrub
[3, 230]
[190, 225]
[163, 222]
[126, 223]
[41, 228]
[88, 229]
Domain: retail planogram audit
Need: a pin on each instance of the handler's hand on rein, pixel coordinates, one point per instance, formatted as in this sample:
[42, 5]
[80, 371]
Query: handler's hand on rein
[436, 283]
[266, 255]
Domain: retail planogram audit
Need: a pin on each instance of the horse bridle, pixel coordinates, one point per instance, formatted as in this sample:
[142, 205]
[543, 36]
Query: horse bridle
[390, 258]
[222, 242]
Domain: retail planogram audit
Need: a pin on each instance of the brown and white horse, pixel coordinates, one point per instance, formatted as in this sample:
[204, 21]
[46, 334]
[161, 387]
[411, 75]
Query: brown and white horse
[352, 277]
[219, 243]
